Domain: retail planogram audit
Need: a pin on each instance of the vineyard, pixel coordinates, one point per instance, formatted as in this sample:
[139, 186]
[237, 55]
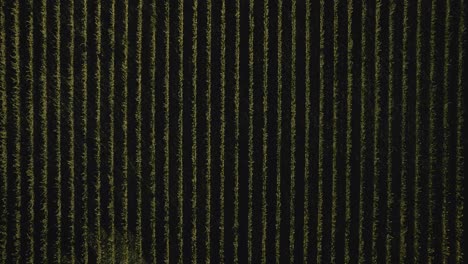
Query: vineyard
[245, 131]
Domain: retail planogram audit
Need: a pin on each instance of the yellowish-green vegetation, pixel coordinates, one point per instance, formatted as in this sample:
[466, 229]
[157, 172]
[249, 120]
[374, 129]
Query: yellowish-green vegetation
[248, 131]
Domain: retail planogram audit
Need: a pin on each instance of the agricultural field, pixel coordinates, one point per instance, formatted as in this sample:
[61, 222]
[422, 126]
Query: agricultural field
[244, 131]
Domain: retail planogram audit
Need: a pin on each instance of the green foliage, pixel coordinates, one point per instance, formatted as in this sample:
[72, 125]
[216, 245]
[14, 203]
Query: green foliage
[115, 141]
[307, 154]
[27, 148]
[166, 138]
[222, 149]
[292, 184]
[180, 128]
[3, 138]
[460, 159]
[350, 145]
[54, 90]
[366, 159]
[94, 161]
[264, 130]
[107, 131]
[194, 158]
[208, 165]
[279, 134]
[14, 138]
[250, 130]
[405, 142]
[236, 132]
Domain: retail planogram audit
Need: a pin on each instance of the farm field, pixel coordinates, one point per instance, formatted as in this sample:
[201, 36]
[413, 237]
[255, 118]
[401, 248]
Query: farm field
[245, 131]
